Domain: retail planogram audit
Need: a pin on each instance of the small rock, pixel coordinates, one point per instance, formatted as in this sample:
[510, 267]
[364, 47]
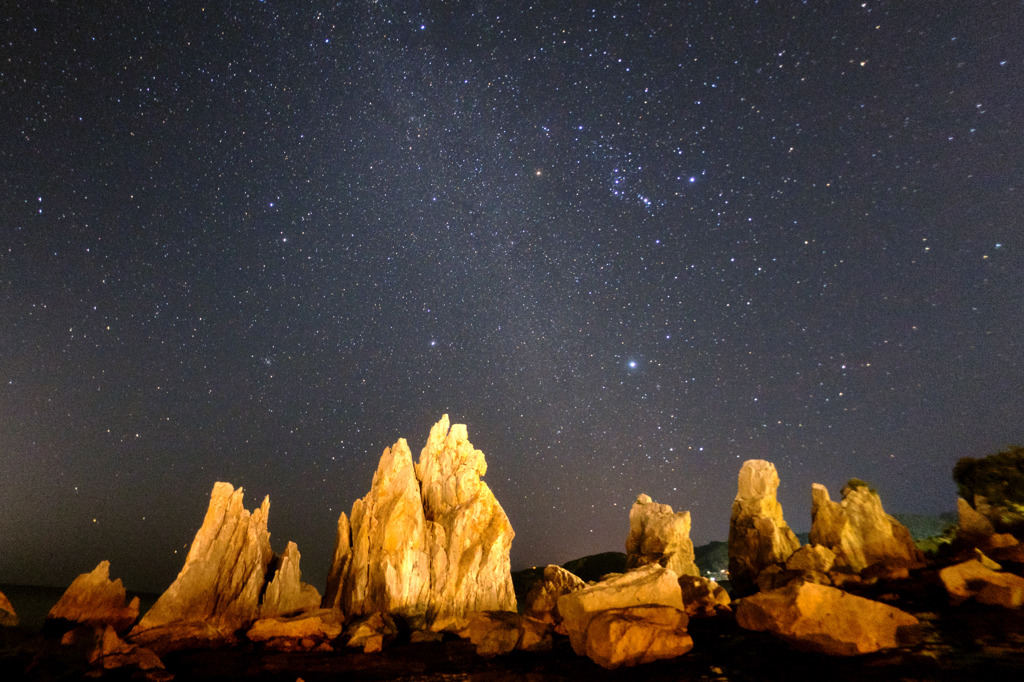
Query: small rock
[8, 618]
[542, 601]
[703, 597]
[495, 633]
[371, 633]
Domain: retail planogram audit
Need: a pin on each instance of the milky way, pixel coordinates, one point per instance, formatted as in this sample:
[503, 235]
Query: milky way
[629, 245]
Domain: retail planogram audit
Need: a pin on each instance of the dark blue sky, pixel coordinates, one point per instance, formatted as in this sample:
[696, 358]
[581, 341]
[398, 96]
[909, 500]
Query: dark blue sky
[630, 245]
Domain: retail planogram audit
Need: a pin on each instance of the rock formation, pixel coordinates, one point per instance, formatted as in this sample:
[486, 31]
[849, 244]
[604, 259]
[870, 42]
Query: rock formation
[470, 535]
[657, 535]
[824, 619]
[542, 600]
[286, 594]
[218, 590]
[430, 543]
[637, 634]
[94, 599]
[649, 585]
[758, 534]
[859, 531]
[389, 570]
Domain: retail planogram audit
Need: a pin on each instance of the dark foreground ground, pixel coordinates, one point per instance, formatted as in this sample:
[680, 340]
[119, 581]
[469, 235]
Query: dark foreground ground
[969, 642]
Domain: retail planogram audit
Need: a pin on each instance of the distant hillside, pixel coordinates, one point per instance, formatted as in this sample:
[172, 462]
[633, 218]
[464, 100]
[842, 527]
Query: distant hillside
[596, 566]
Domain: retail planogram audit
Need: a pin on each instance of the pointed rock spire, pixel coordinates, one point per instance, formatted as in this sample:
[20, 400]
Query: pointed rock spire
[758, 534]
[428, 542]
[218, 590]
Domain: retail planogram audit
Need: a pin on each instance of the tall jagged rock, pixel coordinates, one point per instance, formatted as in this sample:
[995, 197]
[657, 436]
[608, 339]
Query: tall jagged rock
[428, 542]
[218, 590]
[470, 534]
[859, 531]
[286, 594]
[657, 535]
[94, 599]
[389, 569]
[758, 534]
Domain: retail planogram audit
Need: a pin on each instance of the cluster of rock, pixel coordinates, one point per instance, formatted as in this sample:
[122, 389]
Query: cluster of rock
[429, 545]
[427, 550]
[797, 588]
[850, 540]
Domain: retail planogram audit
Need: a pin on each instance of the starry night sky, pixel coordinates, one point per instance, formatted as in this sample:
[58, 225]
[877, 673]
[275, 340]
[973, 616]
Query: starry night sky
[630, 245]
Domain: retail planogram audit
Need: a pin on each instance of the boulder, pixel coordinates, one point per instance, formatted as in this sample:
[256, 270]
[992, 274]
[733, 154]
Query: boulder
[104, 649]
[977, 579]
[636, 635]
[8, 618]
[811, 558]
[218, 590]
[542, 600]
[94, 599]
[703, 597]
[859, 532]
[286, 594]
[649, 585]
[758, 534]
[470, 534]
[309, 631]
[371, 632]
[429, 543]
[824, 619]
[495, 633]
[657, 535]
